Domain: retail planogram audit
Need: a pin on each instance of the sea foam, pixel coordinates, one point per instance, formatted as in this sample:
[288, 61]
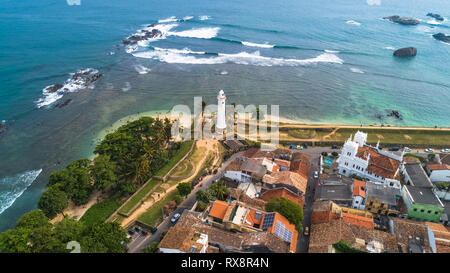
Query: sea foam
[186, 56]
[257, 45]
[12, 187]
[201, 33]
[351, 22]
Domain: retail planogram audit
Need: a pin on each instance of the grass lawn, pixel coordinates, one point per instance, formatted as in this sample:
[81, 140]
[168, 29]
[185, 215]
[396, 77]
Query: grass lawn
[101, 211]
[386, 136]
[185, 147]
[138, 197]
[153, 216]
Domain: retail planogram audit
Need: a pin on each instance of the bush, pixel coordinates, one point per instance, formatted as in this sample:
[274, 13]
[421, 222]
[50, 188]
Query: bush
[335, 154]
[151, 248]
[184, 188]
[292, 211]
[324, 154]
[178, 199]
[52, 202]
[201, 206]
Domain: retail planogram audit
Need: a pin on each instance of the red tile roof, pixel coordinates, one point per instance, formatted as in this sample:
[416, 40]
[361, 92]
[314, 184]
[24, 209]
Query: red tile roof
[433, 167]
[379, 164]
[282, 192]
[287, 178]
[358, 220]
[359, 188]
[218, 209]
[300, 164]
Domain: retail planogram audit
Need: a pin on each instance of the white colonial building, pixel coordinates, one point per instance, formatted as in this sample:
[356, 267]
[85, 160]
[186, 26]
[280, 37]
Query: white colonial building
[369, 162]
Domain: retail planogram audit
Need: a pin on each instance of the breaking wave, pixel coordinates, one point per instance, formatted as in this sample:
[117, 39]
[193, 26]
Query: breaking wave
[80, 80]
[12, 187]
[142, 69]
[201, 33]
[351, 22]
[186, 56]
[257, 45]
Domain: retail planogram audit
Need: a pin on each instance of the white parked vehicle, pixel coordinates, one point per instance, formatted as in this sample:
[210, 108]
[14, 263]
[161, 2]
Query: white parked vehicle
[445, 150]
[406, 149]
[316, 174]
[429, 150]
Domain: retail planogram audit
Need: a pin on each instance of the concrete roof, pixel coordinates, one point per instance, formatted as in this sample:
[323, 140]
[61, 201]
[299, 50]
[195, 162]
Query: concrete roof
[424, 196]
[387, 195]
[337, 192]
[418, 176]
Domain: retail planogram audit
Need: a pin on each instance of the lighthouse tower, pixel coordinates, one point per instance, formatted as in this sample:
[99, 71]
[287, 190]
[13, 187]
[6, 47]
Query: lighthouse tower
[221, 124]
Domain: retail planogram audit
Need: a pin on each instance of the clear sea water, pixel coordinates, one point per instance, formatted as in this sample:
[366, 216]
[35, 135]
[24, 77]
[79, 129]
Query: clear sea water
[322, 61]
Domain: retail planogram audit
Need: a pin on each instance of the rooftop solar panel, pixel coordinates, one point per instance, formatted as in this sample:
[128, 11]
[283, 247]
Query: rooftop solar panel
[268, 220]
[283, 232]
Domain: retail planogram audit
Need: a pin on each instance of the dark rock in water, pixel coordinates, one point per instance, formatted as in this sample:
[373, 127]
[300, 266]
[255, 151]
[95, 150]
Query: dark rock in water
[436, 16]
[442, 37]
[153, 25]
[394, 113]
[65, 103]
[406, 52]
[402, 20]
[53, 88]
[142, 35]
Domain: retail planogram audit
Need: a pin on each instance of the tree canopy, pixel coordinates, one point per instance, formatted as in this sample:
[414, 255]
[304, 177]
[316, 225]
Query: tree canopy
[289, 209]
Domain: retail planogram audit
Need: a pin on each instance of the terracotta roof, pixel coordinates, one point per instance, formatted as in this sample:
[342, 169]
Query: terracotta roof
[404, 230]
[329, 233]
[282, 192]
[234, 166]
[267, 239]
[358, 220]
[291, 227]
[359, 188]
[282, 163]
[445, 158]
[287, 178]
[181, 238]
[238, 241]
[240, 196]
[379, 164]
[433, 167]
[250, 152]
[218, 209]
[300, 164]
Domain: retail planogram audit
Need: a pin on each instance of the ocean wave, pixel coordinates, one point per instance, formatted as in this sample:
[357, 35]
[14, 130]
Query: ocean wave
[351, 22]
[356, 70]
[186, 56]
[142, 69]
[168, 20]
[331, 51]
[187, 18]
[204, 17]
[12, 187]
[389, 47]
[257, 45]
[434, 22]
[82, 79]
[127, 87]
[200, 33]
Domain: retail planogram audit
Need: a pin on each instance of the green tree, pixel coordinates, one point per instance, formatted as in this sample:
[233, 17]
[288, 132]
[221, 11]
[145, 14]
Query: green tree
[103, 172]
[68, 229]
[184, 188]
[104, 238]
[151, 248]
[201, 196]
[178, 199]
[33, 219]
[289, 209]
[52, 202]
[15, 241]
[219, 191]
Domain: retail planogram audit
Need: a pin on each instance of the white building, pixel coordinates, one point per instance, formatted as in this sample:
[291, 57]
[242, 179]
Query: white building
[369, 162]
[439, 172]
[221, 122]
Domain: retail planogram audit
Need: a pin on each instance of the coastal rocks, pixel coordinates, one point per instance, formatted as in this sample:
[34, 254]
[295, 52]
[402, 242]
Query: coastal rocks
[78, 80]
[143, 35]
[395, 114]
[442, 37]
[406, 52]
[65, 103]
[435, 16]
[402, 20]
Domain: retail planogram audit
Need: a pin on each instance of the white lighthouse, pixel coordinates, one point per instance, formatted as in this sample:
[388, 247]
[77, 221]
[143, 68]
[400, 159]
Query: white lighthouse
[221, 124]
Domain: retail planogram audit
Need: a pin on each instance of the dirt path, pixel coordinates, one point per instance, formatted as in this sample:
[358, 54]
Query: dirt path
[209, 146]
[73, 211]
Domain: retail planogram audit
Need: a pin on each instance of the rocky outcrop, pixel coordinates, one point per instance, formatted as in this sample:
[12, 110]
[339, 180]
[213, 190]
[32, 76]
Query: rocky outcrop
[442, 37]
[402, 20]
[436, 16]
[394, 113]
[143, 35]
[406, 52]
[65, 103]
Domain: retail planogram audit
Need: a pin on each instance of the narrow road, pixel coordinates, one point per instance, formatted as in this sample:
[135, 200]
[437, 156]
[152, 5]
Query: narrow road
[141, 242]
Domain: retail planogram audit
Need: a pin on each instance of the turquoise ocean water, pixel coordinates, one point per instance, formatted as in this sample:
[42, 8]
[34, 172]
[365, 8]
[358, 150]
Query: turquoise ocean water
[321, 61]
